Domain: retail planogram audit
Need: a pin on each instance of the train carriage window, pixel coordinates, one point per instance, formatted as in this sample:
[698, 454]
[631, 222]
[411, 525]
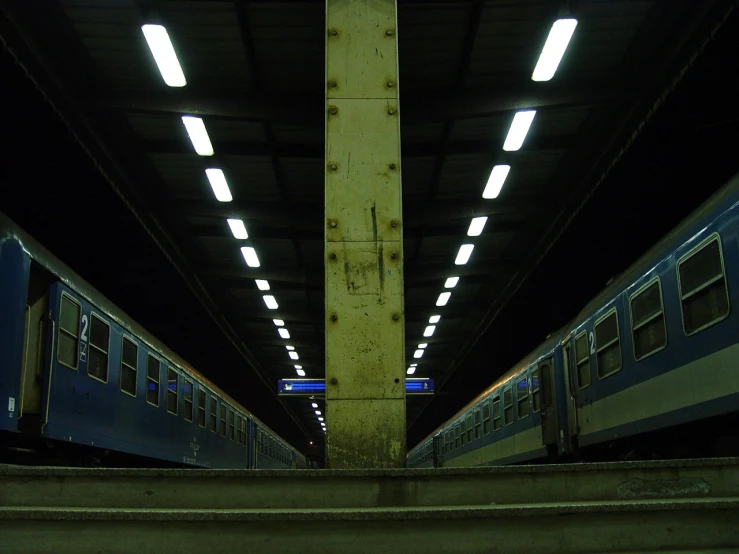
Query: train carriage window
[648, 321]
[231, 424]
[486, 417]
[703, 293]
[496, 413]
[152, 380]
[243, 431]
[213, 413]
[547, 383]
[187, 394]
[97, 359]
[522, 394]
[172, 387]
[201, 406]
[457, 442]
[508, 406]
[583, 360]
[535, 389]
[129, 366]
[223, 419]
[608, 353]
[463, 434]
[68, 338]
[478, 424]
[470, 429]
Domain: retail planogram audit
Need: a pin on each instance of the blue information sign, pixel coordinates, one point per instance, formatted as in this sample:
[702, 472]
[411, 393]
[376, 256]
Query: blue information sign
[317, 387]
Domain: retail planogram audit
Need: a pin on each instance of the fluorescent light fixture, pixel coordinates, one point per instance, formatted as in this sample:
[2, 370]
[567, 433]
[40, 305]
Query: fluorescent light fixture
[410, 371]
[495, 181]
[278, 322]
[323, 426]
[422, 345]
[284, 333]
[414, 365]
[435, 319]
[262, 284]
[300, 372]
[218, 183]
[429, 331]
[238, 229]
[198, 135]
[418, 353]
[554, 48]
[320, 419]
[289, 347]
[270, 301]
[465, 251]
[443, 298]
[519, 128]
[161, 48]
[293, 355]
[451, 282]
[313, 404]
[318, 412]
[250, 256]
[476, 226]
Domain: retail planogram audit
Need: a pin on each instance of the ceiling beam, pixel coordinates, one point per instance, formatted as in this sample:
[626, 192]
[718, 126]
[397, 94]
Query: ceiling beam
[418, 107]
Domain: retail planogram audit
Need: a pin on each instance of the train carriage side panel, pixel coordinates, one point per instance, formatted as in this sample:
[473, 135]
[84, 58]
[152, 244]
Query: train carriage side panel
[14, 275]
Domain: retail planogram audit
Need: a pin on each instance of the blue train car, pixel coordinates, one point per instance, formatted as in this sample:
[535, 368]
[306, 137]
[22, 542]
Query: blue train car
[654, 352]
[78, 375]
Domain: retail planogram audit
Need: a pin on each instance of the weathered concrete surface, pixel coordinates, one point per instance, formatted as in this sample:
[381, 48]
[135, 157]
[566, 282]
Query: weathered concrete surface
[365, 338]
[325, 489]
[654, 526]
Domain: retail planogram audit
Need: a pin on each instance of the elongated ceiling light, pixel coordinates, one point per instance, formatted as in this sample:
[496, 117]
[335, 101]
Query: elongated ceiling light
[476, 226]
[463, 256]
[518, 131]
[495, 181]
[270, 302]
[554, 48]
[443, 298]
[198, 135]
[262, 284]
[238, 229]
[250, 256]
[451, 282]
[218, 183]
[164, 55]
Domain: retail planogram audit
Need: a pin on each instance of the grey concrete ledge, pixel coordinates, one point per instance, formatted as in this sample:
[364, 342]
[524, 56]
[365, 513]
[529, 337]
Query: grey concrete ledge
[697, 463]
[364, 514]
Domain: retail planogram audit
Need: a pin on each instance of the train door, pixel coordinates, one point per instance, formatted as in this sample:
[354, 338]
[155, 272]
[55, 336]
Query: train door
[34, 345]
[549, 420]
[438, 450]
[571, 400]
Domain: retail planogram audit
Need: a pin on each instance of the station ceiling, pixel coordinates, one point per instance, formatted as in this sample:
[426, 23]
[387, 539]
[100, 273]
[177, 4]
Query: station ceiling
[255, 75]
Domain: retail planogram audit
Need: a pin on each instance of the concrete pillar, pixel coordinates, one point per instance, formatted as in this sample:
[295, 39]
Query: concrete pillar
[365, 340]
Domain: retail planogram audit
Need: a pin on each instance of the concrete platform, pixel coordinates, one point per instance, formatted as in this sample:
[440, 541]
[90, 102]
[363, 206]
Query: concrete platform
[320, 489]
[635, 507]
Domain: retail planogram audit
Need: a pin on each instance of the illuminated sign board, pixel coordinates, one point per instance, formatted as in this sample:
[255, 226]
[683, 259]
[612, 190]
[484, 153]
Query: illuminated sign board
[317, 387]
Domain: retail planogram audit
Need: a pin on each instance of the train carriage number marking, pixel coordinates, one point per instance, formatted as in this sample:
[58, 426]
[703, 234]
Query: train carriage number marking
[83, 339]
[592, 343]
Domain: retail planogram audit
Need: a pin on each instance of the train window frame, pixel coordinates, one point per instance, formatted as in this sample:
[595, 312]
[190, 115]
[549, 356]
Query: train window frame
[101, 319]
[463, 431]
[471, 426]
[61, 330]
[202, 393]
[231, 424]
[632, 297]
[478, 422]
[132, 340]
[457, 443]
[150, 356]
[684, 258]
[536, 386]
[612, 311]
[175, 392]
[507, 389]
[223, 419]
[213, 413]
[525, 400]
[494, 403]
[185, 401]
[486, 421]
[580, 386]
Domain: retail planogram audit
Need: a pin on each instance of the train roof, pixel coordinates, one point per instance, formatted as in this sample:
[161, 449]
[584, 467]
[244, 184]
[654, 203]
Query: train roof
[722, 200]
[9, 229]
